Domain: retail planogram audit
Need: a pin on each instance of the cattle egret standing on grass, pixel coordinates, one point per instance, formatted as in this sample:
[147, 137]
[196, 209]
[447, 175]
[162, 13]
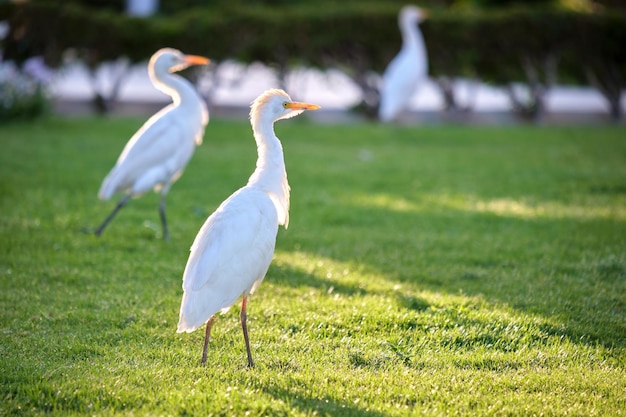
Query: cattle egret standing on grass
[157, 154]
[234, 248]
[407, 69]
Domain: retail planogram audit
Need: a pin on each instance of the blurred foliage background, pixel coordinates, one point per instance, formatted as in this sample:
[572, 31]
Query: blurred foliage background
[535, 43]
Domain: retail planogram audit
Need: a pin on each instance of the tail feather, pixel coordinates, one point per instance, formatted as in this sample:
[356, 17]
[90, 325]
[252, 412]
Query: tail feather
[190, 315]
[108, 187]
[194, 314]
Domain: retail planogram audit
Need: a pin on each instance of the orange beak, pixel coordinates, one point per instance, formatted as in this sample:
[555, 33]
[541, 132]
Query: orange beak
[196, 60]
[294, 105]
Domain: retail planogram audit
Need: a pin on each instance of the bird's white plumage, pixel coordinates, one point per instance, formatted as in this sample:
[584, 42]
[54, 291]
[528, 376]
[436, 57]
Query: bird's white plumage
[157, 154]
[230, 256]
[407, 69]
[234, 248]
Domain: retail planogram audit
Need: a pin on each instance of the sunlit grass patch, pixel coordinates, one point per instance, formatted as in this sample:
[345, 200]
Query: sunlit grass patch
[587, 207]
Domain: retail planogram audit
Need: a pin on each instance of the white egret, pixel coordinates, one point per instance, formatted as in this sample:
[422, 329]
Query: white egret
[159, 151]
[407, 69]
[234, 248]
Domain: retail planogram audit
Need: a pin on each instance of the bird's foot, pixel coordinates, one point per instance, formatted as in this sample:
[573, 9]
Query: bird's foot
[91, 231]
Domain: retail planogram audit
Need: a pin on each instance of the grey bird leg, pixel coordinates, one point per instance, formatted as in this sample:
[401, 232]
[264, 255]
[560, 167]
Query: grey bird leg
[244, 327]
[166, 233]
[117, 208]
[207, 334]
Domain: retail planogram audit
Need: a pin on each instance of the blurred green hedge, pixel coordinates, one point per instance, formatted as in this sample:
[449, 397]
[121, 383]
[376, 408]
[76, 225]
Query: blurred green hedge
[499, 46]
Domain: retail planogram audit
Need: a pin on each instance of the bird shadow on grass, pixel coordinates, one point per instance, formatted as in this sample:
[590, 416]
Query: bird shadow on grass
[322, 405]
[287, 276]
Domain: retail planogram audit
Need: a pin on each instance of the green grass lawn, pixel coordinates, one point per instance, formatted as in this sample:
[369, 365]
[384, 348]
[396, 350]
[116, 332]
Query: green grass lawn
[440, 270]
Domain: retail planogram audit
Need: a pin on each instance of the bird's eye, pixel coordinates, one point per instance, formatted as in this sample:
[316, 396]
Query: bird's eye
[285, 104]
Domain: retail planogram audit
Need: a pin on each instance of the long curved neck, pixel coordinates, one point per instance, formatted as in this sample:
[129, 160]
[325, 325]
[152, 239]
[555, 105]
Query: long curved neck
[173, 85]
[411, 35]
[270, 175]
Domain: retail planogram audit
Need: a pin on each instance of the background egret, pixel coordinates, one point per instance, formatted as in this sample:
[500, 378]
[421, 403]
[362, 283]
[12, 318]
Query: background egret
[407, 69]
[157, 154]
[234, 248]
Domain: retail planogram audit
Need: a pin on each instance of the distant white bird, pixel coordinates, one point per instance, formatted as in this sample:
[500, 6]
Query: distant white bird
[407, 69]
[157, 154]
[234, 248]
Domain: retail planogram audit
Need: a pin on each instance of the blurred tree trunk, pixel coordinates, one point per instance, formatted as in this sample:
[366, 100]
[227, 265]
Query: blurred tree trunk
[533, 106]
[610, 84]
[104, 101]
[450, 92]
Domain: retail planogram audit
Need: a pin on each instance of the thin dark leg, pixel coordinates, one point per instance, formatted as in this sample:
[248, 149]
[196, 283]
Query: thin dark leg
[166, 234]
[117, 208]
[244, 327]
[207, 334]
